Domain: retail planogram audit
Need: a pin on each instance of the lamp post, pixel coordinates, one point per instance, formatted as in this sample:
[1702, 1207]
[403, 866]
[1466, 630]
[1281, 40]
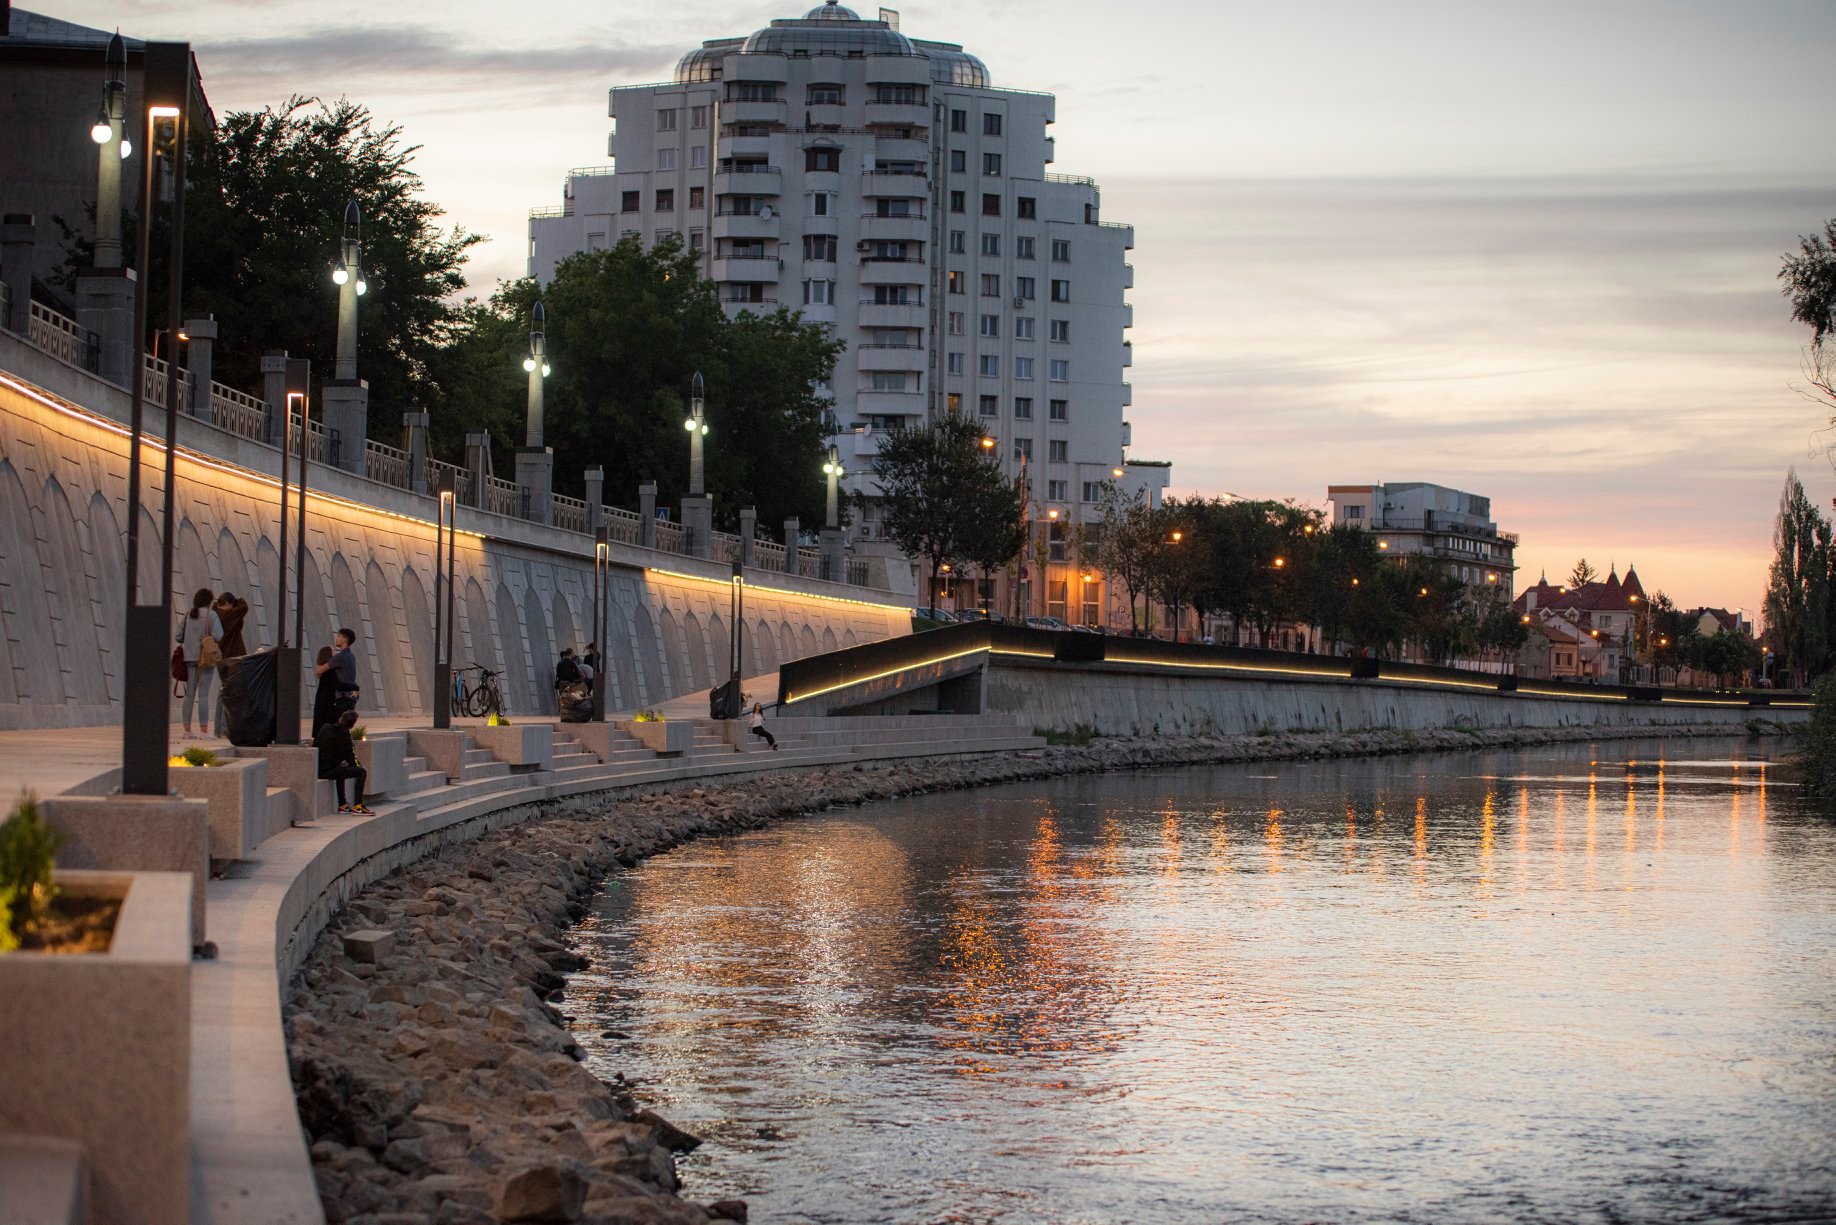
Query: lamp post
[348, 276]
[602, 595]
[832, 469]
[697, 427]
[446, 523]
[535, 363]
[109, 132]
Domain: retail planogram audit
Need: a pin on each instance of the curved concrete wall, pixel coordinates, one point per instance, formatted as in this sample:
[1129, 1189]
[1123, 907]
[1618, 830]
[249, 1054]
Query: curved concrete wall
[524, 591]
[1119, 701]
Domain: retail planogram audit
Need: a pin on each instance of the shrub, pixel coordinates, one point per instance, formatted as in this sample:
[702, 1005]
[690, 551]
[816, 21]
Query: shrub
[28, 847]
[1818, 760]
[647, 715]
[358, 732]
[198, 755]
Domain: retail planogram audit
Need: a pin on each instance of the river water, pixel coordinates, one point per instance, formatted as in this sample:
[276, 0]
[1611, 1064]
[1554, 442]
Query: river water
[1581, 983]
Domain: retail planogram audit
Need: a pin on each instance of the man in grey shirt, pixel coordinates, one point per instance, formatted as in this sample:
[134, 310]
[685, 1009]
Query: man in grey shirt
[345, 665]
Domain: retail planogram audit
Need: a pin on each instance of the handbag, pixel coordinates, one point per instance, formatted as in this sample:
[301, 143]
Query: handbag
[179, 673]
[209, 653]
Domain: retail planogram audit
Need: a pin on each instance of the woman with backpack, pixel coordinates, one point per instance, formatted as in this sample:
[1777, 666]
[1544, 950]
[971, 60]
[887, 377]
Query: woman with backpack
[199, 637]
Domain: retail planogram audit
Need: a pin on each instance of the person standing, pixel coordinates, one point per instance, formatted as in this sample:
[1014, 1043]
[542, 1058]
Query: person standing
[344, 663]
[200, 633]
[338, 760]
[231, 612]
[325, 697]
[756, 722]
[591, 663]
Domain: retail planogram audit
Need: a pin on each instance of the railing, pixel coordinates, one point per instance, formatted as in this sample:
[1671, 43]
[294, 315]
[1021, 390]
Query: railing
[749, 168]
[768, 555]
[321, 444]
[587, 172]
[552, 210]
[503, 497]
[6, 307]
[570, 514]
[625, 526]
[809, 563]
[238, 412]
[1078, 180]
[65, 339]
[857, 573]
[154, 372]
[916, 214]
[887, 347]
[386, 464]
[749, 301]
[462, 480]
[724, 547]
[670, 537]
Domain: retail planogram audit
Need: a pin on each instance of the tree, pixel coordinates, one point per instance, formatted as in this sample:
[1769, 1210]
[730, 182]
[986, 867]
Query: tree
[1727, 654]
[1810, 284]
[1124, 542]
[1174, 558]
[1797, 588]
[264, 213]
[937, 482]
[1582, 574]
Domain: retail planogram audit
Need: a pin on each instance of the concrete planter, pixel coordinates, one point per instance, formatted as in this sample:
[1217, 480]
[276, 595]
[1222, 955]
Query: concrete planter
[237, 792]
[519, 744]
[296, 767]
[668, 737]
[99, 1049]
[137, 833]
[444, 750]
[382, 756]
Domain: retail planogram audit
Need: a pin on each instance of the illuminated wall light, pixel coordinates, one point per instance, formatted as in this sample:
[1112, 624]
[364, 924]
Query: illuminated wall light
[878, 676]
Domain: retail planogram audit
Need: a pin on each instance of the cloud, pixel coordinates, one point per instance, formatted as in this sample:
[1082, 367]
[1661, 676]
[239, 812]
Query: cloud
[416, 59]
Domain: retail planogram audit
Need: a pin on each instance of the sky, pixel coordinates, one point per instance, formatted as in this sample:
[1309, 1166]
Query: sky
[1525, 249]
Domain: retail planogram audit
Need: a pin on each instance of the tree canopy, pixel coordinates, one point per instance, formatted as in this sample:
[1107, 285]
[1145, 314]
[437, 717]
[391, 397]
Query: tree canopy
[1798, 584]
[944, 497]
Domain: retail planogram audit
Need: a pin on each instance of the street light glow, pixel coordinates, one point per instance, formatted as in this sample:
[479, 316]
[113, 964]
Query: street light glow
[340, 275]
[529, 363]
[102, 129]
[1280, 562]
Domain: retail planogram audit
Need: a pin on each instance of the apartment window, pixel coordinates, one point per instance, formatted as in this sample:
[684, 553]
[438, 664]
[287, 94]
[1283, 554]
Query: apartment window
[989, 406]
[909, 95]
[666, 200]
[666, 120]
[954, 402]
[819, 246]
[698, 117]
[1061, 291]
[1058, 491]
[991, 244]
[896, 208]
[959, 161]
[1061, 331]
[752, 91]
[1023, 248]
[820, 202]
[1058, 451]
[956, 282]
[1023, 328]
[818, 292]
[1061, 371]
[698, 157]
[664, 236]
[959, 242]
[1061, 251]
[991, 125]
[989, 365]
[1093, 491]
[1025, 287]
[956, 323]
[889, 380]
[1023, 367]
[955, 364]
[630, 201]
[624, 234]
[666, 159]
[1354, 512]
[958, 203]
[822, 159]
[1059, 410]
[1023, 408]
[1023, 449]
[697, 197]
[1026, 208]
[824, 95]
[697, 240]
[991, 326]
[959, 121]
[991, 204]
[895, 295]
[991, 164]
[1055, 551]
[991, 285]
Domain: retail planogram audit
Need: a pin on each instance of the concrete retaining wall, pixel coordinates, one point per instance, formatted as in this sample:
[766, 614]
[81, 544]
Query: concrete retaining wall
[524, 591]
[1121, 701]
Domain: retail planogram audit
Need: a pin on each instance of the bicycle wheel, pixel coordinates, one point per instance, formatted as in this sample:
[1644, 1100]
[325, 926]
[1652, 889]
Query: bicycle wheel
[475, 702]
[494, 698]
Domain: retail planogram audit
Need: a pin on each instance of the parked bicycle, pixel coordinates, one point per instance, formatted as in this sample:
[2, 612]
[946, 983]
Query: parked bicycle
[478, 699]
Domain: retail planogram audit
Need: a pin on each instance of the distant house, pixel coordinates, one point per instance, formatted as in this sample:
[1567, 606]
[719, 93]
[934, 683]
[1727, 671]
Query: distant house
[1449, 526]
[1611, 607]
[1711, 621]
[1558, 648]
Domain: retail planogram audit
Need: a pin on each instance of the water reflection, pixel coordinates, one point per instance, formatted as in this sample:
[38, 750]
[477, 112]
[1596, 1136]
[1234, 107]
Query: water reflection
[1215, 994]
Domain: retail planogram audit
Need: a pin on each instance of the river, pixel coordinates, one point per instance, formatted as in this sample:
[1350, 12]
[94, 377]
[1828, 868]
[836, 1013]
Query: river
[1579, 983]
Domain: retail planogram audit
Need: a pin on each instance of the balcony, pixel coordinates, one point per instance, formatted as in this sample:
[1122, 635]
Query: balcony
[872, 358]
[758, 306]
[1128, 395]
[1128, 276]
[913, 228]
[898, 114]
[876, 271]
[895, 184]
[745, 225]
[764, 181]
[887, 315]
[745, 146]
[754, 112]
[910, 402]
[901, 149]
[1128, 354]
[1128, 314]
[746, 268]
[824, 115]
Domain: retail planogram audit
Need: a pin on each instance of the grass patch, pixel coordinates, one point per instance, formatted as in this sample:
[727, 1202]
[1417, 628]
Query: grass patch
[1081, 734]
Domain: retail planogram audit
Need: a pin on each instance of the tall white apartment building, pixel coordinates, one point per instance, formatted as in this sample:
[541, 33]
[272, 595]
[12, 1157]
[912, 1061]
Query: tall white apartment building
[881, 185]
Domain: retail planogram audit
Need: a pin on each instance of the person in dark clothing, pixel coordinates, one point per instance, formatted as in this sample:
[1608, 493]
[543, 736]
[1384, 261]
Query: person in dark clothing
[232, 612]
[591, 659]
[567, 669]
[338, 760]
[345, 665]
[325, 697]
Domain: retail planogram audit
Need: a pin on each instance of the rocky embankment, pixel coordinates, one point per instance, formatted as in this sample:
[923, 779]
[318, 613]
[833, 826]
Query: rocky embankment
[436, 1073]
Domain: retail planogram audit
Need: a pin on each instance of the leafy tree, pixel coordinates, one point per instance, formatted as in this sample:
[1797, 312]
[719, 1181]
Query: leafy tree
[1810, 283]
[1124, 542]
[264, 207]
[1797, 588]
[1726, 654]
[1174, 558]
[1582, 574]
[937, 485]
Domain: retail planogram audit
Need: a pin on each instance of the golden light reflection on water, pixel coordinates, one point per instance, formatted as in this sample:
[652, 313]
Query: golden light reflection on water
[1488, 827]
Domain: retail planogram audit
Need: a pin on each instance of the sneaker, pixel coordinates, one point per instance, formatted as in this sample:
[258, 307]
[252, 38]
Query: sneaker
[362, 809]
[344, 808]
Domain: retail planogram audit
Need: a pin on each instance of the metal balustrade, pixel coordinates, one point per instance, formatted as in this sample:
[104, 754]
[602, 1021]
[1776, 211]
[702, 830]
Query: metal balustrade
[503, 498]
[570, 514]
[63, 338]
[238, 413]
[385, 464]
[671, 538]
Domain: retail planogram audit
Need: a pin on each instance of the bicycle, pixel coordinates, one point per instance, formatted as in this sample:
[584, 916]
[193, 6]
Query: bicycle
[480, 700]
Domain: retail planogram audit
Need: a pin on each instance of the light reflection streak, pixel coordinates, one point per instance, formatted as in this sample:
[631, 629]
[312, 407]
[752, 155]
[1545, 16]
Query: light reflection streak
[1421, 843]
[1523, 836]
[1488, 822]
[1272, 839]
[1593, 822]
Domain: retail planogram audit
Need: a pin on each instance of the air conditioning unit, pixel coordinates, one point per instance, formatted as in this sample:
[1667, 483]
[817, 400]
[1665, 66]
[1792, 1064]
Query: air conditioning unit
[865, 244]
[1019, 303]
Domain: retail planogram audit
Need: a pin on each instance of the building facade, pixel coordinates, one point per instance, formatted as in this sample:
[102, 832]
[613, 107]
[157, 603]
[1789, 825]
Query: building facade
[881, 185]
[1414, 518]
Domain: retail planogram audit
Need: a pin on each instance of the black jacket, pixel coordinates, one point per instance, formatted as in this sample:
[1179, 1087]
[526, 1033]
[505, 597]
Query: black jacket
[567, 672]
[335, 747]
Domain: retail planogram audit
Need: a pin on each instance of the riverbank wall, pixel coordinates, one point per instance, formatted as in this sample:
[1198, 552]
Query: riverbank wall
[437, 1067]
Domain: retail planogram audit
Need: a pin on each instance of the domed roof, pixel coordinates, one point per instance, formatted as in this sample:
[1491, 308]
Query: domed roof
[832, 29]
[829, 10]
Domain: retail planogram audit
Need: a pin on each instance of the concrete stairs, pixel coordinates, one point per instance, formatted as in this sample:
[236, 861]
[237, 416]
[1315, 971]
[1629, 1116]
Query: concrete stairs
[420, 778]
[571, 759]
[478, 764]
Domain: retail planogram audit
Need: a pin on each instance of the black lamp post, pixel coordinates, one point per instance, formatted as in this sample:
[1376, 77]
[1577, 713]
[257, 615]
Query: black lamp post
[446, 524]
[602, 596]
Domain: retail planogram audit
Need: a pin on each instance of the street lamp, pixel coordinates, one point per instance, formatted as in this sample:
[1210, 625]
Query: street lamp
[446, 524]
[347, 275]
[602, 596]
[697, 427]
[535, 363]
[108, 131]
[832, 469]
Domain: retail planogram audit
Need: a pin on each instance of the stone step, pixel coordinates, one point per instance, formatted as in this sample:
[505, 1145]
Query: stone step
[43, 1177]
[421, 780]
[472, 771]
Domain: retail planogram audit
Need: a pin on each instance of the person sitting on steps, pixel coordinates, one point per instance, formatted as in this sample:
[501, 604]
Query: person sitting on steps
[338, 760]
[757, 723]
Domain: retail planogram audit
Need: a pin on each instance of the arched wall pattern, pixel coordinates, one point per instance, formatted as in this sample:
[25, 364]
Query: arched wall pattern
[542, 648]
[511, 644]
[191, 569]
[391, 646]
[696, 649]
[650, 689]
[68, 583]
[26, 611]
[111, 580]
[349, 614]
[479, 645]
[417, 621]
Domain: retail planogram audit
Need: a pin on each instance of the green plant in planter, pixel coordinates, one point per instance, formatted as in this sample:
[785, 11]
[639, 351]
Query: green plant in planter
[647, 715]
[357, 733]
[28, 847]
[198, 755]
